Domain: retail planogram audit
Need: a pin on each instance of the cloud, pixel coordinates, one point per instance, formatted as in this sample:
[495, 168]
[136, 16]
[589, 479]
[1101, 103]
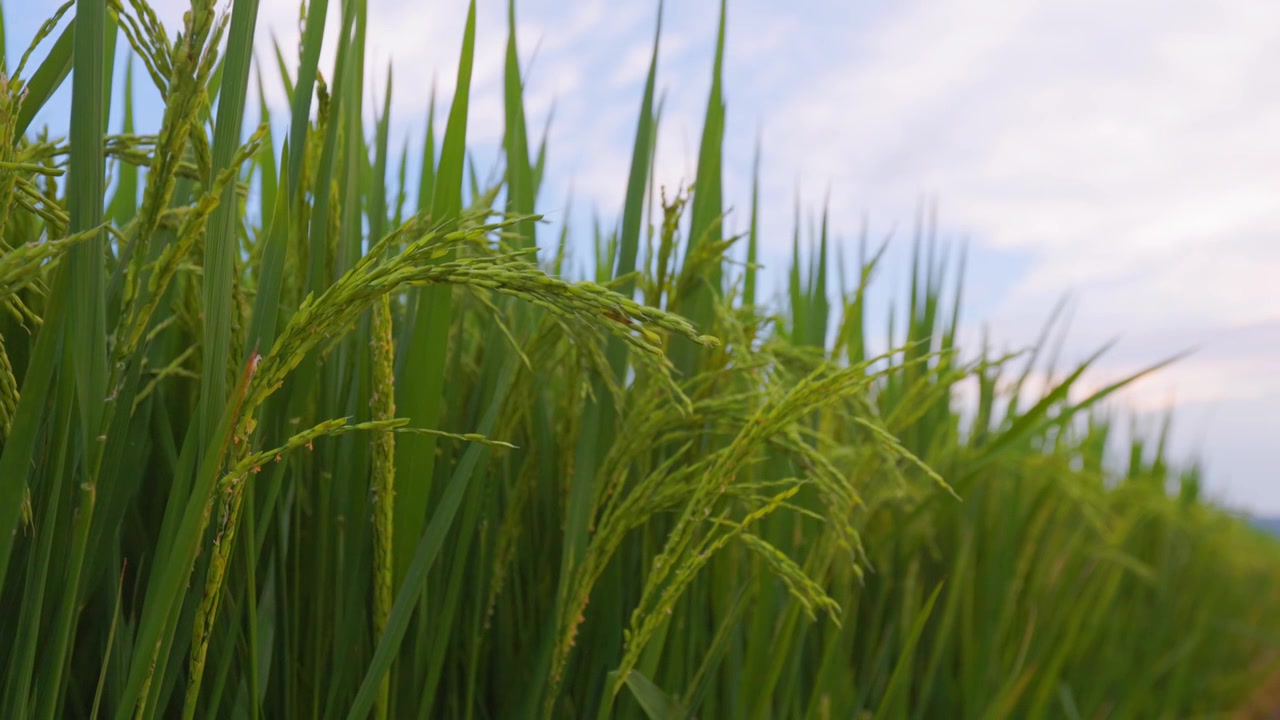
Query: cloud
[1135, 155]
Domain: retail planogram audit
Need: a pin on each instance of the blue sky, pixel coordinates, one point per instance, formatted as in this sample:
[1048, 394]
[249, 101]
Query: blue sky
[1122, 152]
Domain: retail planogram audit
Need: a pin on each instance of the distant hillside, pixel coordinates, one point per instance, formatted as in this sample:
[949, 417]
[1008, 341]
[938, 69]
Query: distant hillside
[1270, 524]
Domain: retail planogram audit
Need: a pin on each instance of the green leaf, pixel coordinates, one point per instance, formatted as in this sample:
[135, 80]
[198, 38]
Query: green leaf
[312, 38]
[656, 704]
[424, 556]
[222, 233]
[421, 381]
[47, 78]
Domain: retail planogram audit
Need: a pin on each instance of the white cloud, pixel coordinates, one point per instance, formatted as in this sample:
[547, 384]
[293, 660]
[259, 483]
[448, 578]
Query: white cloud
[1128, 144]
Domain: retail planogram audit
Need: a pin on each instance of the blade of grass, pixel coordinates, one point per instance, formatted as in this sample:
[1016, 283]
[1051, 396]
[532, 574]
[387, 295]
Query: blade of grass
[300, 107]
[704, 221]
[421, 383]
[221, 235]
[47, 78]
[424, 556]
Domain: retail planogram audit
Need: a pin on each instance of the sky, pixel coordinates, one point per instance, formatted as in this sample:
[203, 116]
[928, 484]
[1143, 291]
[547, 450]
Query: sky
[1121, 154]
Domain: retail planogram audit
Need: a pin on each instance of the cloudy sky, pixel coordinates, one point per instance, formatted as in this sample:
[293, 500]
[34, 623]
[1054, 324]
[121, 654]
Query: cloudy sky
[1125, 153]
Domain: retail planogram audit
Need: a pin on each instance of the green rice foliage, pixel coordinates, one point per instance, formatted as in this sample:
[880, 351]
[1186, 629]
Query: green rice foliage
[280, 438]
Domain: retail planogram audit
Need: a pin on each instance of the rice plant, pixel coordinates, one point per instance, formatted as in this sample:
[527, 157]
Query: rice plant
[277, 442]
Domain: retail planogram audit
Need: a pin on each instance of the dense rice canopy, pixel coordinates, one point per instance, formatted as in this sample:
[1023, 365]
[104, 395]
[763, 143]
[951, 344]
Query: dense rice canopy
[277, 441]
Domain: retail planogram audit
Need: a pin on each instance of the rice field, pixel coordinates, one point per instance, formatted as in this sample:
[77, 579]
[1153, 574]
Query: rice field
[280, 438]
